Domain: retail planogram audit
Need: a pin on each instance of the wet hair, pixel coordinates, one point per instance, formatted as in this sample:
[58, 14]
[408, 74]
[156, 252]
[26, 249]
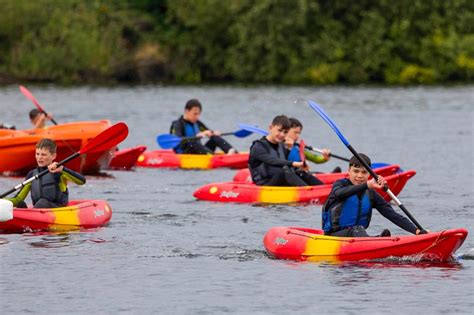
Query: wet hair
[193, 103]
[47, 144]
[281, 120]
[356, 163]
[34, 112]
[295, 123]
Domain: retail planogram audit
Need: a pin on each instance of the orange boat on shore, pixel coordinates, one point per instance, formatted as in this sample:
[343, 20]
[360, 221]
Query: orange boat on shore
[17, 147]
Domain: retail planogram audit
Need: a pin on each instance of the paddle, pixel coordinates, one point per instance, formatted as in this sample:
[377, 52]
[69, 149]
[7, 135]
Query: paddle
[169, 141]
[30, 96]
[255, 129]
[103, 141]
[328, 120]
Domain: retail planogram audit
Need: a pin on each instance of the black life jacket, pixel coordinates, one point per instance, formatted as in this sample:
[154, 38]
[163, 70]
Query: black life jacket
[47, 187]
[261, 172]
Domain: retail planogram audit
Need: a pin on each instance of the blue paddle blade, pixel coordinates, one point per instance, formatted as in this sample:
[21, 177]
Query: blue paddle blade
[167, 141]
[242, 133]
[319, 110]
[251, 128]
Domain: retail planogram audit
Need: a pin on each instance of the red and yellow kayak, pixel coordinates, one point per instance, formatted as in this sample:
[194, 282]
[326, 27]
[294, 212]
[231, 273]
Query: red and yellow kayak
[243, 175]
[250, 193]
[127, 158]
[77, 215]
[304, 244]
[17, 148]
[170, 159]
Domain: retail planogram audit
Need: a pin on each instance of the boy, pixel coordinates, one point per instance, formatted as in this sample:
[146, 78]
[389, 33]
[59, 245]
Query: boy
[189, 125]
[38, 119]
[268, 161]
[49, 191]
[291, 141]
[348, 209]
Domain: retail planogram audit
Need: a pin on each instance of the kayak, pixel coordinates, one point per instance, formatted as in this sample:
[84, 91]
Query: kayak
[251, 193]
[170, 159]
[77, 215]
[305, 244]
[243, 175]
[127, 158]
[17, 147]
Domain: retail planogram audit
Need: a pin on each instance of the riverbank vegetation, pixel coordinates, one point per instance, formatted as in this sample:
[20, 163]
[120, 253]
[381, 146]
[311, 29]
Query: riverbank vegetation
[237, 41]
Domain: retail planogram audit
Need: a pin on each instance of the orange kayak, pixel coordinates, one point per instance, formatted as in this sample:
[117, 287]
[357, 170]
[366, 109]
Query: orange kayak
[251, 193]
[127, 158]
[304, 244]
[243, 175]
[17, 147]
[170, 159]
[77, 215]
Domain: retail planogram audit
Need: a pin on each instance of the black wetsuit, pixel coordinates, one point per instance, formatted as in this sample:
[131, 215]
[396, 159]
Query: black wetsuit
[178, 127]
[269, 166]
[343, 189]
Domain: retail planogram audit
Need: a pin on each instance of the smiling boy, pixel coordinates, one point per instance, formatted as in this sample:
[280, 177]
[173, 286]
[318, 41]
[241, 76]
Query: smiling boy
[268, 161]
[348, 209]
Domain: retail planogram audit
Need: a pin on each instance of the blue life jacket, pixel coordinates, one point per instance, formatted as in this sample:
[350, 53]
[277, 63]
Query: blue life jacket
[191, 130]
[350, 212]
[48, 187]
[294, 155]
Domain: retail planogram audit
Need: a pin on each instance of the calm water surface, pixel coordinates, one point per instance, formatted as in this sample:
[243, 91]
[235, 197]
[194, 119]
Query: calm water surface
[166, 252]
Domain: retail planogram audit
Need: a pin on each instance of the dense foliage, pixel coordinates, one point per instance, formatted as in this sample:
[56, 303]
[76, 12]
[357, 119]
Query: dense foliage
[248, 41]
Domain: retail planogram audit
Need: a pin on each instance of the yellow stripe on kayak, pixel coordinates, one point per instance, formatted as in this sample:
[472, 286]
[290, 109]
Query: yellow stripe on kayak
[270, 194]
[195, 160]
[66, 218]
[322, 248]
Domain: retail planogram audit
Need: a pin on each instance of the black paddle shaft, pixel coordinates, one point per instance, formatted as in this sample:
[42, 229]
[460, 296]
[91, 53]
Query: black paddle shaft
[385, 188]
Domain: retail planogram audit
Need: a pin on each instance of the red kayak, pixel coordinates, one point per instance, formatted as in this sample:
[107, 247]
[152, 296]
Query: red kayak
[243, 175]
[304, 244]
[170, 159]
[250, 193]
[77, 215]
[127, 158]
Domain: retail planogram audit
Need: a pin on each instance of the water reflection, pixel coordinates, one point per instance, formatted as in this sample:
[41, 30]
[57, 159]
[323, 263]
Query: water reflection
[59, 239]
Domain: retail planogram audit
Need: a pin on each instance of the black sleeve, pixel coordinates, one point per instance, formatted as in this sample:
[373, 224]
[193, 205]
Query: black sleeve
[201, 125]
[387, 211]
[259, 152]
[177, 128]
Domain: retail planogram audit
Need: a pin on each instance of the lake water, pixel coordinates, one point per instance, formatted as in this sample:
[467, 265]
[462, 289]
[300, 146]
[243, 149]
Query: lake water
[164, 252]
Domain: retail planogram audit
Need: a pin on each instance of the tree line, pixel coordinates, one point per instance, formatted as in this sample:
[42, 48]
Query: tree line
[237, 41]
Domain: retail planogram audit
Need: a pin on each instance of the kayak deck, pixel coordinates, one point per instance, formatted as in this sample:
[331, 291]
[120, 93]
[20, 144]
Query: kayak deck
[250, 193]
[304, 244]
[78, 214]
[170, 159]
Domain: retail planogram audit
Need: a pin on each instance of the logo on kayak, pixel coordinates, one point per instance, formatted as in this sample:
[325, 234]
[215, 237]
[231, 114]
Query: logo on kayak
[280, 241]
[98, 213]
[229, 194]
[155, 161]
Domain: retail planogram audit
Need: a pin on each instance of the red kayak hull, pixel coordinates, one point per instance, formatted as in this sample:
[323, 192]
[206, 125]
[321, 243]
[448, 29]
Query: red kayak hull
[127, 158]
[169, 159]
[250, 193]
[243, 175]
[304, 244]
[77, 215]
